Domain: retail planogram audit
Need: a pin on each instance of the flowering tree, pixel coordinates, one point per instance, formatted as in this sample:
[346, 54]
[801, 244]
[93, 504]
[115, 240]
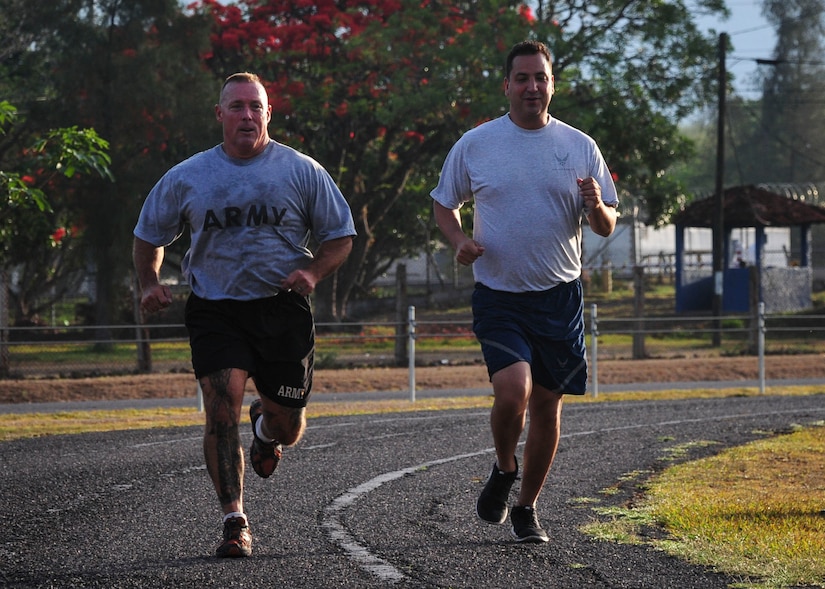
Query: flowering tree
[30, 228]
[377, 91]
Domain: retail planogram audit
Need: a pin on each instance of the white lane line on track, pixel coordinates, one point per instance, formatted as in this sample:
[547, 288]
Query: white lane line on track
[388, 573]
[385, 571]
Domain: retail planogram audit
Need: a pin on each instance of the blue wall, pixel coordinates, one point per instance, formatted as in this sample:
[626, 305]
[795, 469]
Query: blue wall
[698, 294]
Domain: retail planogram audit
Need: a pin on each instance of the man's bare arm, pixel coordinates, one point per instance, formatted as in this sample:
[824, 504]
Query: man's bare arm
[148, 260]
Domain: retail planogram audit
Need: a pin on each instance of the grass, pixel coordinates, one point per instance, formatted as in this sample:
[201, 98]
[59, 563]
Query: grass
[754, 512]
[69, 353]
[32, 425]
[758, 513]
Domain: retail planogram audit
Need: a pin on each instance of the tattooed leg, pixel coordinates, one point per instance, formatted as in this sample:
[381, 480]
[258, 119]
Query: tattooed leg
[223, 396]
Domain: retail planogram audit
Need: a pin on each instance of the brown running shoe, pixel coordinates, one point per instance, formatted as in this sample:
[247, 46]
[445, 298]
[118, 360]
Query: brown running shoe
[264, 457]
[237, 539]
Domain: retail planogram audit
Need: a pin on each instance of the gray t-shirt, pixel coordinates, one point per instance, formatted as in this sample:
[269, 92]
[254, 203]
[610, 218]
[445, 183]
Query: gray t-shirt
[250, 220]
[528, 211]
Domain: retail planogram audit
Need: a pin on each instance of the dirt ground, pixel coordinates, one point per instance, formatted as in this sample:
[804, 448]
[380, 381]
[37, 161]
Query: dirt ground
[427, 377]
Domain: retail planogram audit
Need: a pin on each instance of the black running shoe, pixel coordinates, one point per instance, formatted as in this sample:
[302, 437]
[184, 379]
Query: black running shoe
[492, 503]
[526, 527]
[264, 457]
[237, 540]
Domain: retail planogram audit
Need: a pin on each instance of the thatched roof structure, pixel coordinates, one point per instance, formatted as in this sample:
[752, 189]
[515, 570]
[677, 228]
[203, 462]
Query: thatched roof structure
[750, 206]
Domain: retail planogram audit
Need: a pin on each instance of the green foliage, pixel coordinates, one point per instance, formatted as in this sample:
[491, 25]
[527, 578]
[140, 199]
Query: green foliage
[627, 74]
[376, 90]
[19, 193]
[77, 150]
[34, 237]
[379, 94]
[789, 142]
[8, 114]
[129, 70]
[17, 190]
[776, 138]
[67, 152]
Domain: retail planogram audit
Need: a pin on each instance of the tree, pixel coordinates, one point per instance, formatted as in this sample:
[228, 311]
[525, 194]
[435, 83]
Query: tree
[742, 163]
[629, 73]
[132, 71]
[779, 138]
[791, 141]
[378, 91]
[33, 240]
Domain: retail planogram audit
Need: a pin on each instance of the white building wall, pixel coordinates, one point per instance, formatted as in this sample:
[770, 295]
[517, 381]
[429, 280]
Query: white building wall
[656, 247]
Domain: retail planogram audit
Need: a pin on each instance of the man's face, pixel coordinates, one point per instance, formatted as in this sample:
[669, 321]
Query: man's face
[529, 89]
[244, 111]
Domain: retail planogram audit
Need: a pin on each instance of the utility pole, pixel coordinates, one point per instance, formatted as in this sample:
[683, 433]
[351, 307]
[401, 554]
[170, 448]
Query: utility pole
[719, 201]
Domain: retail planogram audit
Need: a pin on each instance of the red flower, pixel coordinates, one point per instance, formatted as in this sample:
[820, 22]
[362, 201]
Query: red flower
[527, 13]
[59, 234]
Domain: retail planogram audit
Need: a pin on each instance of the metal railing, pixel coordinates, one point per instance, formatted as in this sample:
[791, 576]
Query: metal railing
[757, 332]
[81, 351]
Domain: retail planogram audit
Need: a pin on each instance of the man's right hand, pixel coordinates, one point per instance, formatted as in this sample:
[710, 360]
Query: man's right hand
[468, 251]
[155, 298]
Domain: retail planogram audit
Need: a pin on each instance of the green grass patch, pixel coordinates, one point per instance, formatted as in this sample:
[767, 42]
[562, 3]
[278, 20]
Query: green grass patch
[74, 353]
[753, 512]
[33, 425]
[758, 510]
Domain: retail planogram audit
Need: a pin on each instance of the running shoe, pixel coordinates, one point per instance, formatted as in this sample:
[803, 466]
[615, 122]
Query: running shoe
[264, 457]
[237, 539]
[492, 503]
[526, 526]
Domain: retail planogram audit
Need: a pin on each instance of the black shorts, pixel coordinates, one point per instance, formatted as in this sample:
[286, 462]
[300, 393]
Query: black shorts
[544, 329]
[273, 339]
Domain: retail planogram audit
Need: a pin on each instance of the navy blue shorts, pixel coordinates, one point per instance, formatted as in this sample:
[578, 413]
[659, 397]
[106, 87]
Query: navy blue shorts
[273, 339]
[544, 329]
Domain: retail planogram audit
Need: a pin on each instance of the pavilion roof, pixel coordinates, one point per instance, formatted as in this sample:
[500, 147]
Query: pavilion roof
[751, 206]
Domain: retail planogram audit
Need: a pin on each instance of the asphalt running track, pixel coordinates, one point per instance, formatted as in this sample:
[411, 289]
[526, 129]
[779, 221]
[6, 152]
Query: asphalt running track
[365, 501]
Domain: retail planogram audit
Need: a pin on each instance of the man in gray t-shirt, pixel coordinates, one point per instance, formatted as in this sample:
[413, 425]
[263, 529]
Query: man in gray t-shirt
[251, 206]
[532, 180]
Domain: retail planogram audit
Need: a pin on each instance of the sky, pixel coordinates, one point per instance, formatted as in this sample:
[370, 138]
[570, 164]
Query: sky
[751, 36]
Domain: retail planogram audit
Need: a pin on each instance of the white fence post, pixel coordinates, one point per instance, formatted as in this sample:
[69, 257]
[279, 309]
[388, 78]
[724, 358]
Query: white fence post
[594, 351]
[200, 398]
[411, 354]
[761, 347]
